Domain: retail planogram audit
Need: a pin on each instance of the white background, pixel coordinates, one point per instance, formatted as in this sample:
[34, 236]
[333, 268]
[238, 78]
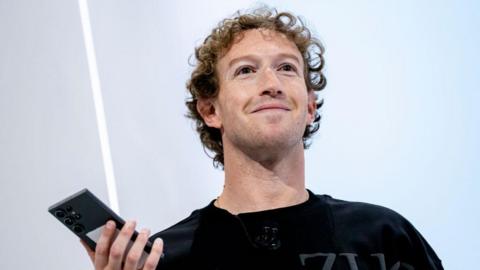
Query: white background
[400, 123]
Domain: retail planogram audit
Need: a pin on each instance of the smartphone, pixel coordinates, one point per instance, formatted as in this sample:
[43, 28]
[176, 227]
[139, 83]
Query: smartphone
[86, 215]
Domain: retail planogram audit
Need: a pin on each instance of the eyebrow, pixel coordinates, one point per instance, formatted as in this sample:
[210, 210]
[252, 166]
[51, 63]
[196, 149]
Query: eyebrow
[253, 57]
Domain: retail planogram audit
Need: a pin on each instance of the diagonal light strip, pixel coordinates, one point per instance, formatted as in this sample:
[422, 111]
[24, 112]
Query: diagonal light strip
[99, 110]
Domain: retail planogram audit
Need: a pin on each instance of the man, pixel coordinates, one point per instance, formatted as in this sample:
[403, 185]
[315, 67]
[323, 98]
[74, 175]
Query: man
[253, 99]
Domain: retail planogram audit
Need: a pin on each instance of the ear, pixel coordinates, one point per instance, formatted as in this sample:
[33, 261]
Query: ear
[312, 106]
[206, 108]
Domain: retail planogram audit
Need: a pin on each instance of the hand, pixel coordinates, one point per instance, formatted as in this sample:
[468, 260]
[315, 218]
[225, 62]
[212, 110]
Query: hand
[109, 253]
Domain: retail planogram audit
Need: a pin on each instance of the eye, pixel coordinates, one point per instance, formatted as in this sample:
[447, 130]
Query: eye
[287, 67]
[244, 70]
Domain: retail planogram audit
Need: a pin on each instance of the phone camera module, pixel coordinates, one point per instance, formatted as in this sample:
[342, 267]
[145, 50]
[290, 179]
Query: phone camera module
[68, 221]
[78, 228]
[60, 213]
[69, 208]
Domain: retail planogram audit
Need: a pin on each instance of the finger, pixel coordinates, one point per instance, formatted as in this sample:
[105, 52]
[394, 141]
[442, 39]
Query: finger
[102, 249]
[134, 254]
[90, 252]
[155, 254]
[119, 246]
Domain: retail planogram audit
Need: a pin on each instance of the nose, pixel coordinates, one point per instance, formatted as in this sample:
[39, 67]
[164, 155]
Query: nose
[270, 83]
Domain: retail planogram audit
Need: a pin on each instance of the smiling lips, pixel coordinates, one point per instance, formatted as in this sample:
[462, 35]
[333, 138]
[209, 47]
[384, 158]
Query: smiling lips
[271, 106]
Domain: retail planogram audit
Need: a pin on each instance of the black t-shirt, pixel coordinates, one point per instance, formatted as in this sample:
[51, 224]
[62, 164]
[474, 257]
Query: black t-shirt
[322, 233]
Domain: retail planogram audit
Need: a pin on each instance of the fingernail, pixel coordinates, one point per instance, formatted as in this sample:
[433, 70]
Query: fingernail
[158, 242]
[145, 231]
[110, 224]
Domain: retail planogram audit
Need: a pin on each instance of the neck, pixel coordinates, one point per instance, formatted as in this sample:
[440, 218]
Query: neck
[252, 185]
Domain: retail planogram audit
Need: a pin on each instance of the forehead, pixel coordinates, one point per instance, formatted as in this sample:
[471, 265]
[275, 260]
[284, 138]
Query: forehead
[260, 42]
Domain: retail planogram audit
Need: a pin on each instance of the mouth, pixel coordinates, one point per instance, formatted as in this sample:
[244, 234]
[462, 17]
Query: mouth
[271, 107]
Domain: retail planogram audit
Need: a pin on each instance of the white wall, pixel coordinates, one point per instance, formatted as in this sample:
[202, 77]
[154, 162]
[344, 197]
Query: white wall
[400, 126]
[48, 139]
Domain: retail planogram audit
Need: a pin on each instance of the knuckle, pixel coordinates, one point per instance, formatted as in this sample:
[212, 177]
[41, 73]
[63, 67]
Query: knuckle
[132, 258]
[126, 231]
[150, 264]
[143, 236]
[116, 252]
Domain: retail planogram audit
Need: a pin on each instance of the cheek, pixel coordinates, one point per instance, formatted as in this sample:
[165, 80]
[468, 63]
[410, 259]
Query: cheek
[225, 106]
[235, 98]
[300, 94]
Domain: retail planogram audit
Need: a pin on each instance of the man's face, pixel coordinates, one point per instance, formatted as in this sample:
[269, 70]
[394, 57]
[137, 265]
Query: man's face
[263, 100]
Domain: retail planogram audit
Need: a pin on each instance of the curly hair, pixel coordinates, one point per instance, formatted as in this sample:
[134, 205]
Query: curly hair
[203, 83]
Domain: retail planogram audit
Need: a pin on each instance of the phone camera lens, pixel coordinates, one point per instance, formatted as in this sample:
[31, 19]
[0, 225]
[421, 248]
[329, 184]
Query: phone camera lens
[60, 213]
[69, 208]
[78, 228]
[68, 221]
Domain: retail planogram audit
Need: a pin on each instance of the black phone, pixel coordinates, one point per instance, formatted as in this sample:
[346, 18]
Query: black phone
[86, 215]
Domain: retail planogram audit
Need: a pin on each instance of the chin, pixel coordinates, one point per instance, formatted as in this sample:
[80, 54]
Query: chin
[272, 141]
[266, 139]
